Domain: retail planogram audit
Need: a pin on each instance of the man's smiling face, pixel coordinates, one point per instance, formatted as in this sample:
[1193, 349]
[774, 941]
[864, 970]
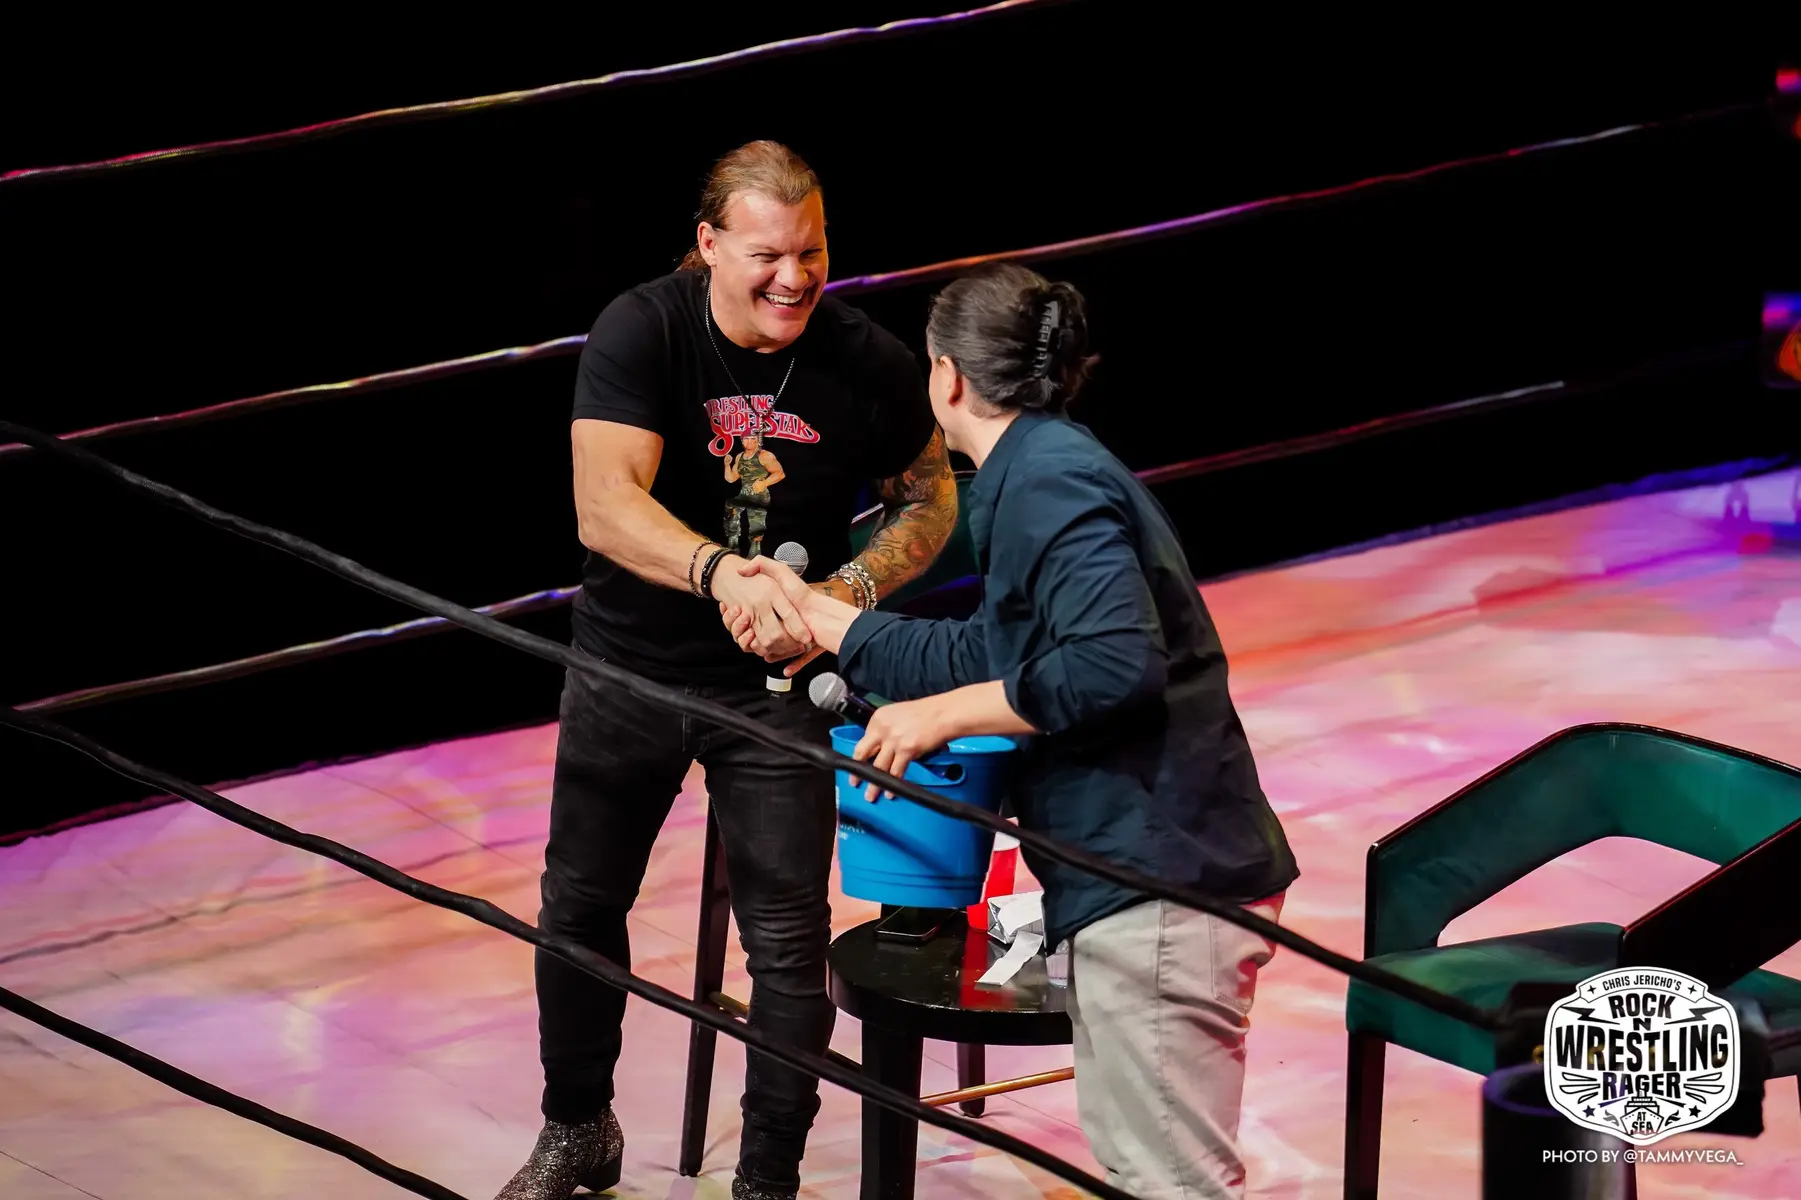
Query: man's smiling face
[769, 267]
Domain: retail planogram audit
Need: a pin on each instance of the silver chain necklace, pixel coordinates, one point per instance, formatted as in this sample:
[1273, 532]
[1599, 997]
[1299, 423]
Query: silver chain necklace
[707, 320]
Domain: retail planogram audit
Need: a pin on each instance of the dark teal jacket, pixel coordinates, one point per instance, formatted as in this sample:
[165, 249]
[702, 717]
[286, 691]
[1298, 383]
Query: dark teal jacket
[1091, 618]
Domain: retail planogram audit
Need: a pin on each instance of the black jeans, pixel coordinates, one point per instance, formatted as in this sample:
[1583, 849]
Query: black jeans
[620, 764]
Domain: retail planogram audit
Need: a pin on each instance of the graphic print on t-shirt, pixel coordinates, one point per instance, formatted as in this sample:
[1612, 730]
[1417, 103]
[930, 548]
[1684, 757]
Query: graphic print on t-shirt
[755, 470]
[735, 416]
[749, 421]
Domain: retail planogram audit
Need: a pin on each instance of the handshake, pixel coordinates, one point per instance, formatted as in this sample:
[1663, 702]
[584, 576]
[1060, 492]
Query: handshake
[770, 611]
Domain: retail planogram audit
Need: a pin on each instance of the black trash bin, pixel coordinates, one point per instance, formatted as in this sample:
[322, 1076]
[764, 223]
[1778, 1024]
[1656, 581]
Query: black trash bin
[1530, 1151]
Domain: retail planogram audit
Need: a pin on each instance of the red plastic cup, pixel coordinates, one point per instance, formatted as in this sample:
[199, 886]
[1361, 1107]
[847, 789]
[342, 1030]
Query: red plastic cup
[1002, 867]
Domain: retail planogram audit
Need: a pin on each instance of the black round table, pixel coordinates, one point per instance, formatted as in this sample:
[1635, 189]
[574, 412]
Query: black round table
[904, 994]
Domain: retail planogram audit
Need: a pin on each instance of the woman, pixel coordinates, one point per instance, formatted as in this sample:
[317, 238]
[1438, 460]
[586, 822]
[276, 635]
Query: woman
[1092, 645]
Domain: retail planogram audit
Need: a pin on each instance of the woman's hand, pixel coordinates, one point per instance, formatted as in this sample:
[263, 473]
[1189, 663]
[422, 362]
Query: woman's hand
[901, 733]
[780, 573]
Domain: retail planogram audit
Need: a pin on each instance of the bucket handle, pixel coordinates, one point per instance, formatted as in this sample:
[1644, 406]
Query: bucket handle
[952, 776]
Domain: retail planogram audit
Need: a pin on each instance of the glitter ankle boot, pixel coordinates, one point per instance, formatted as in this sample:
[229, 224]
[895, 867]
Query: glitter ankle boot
[570, 1156]
[744, 1189]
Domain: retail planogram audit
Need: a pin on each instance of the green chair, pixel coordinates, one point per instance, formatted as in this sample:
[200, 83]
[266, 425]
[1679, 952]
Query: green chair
[1576, 787]
[948, 586]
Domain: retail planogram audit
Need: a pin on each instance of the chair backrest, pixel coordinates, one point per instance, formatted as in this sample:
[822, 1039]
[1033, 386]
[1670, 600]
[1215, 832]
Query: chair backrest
[1722, 927]
[957, 561]
[1576, 787]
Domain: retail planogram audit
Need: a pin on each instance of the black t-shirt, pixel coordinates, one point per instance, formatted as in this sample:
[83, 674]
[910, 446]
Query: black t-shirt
[844, 405]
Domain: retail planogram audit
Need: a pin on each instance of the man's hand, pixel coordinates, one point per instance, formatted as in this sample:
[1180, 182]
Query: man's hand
[769, 613]
[826, 615]
[779, 573]
[738, 624]
[899, 734]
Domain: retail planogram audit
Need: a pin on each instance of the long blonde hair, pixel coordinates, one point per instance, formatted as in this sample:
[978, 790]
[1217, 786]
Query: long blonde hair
[768, 168]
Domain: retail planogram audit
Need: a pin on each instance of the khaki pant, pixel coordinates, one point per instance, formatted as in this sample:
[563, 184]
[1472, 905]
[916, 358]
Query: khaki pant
[1160, 998]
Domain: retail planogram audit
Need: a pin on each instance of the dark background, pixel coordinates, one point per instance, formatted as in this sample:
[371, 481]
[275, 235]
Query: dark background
[170, 286]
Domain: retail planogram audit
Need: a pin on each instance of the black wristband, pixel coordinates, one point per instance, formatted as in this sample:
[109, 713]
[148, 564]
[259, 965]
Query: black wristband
[706, 572]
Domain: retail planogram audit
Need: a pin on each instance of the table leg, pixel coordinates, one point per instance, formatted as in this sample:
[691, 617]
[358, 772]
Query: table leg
[890, 1141]
[972, 1069]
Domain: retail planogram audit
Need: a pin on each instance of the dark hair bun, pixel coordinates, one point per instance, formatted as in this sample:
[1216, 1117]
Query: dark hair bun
[1021, 340]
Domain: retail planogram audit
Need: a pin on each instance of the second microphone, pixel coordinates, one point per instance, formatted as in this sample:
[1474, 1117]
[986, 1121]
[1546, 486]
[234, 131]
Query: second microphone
[794, 556]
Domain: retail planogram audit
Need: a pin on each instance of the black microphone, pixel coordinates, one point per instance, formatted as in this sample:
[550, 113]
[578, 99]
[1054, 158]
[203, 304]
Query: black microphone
[794, 556]
[830, 692]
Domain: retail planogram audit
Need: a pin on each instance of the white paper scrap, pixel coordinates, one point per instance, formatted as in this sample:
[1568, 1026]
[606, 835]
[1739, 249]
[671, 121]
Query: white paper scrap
[1010, 916]
[1007, 965]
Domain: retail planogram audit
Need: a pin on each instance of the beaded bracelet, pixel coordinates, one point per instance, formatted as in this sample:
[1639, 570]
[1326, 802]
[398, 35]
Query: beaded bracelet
[693, 580]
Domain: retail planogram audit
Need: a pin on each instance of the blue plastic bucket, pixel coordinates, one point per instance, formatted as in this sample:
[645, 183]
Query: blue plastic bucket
[896, 852]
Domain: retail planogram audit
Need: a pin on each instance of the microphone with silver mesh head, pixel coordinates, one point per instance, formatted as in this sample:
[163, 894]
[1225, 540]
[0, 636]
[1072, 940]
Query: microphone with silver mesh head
[830, 692]
[794, 556]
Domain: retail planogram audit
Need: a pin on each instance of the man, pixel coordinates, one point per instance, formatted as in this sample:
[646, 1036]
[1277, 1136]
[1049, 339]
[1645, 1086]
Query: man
[741, 348]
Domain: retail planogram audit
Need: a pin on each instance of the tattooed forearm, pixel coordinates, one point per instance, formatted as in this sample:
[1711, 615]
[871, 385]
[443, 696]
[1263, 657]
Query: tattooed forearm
[921, 505]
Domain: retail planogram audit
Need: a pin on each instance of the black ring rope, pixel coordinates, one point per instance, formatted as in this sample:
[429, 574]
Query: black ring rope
[718, 714]
[362, 385]
[1297, 200]
[218, 1097]
[1345, 435]
[578, 956]
[305, 652]
[856, 284]
[1152, 477]
[557, 91]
